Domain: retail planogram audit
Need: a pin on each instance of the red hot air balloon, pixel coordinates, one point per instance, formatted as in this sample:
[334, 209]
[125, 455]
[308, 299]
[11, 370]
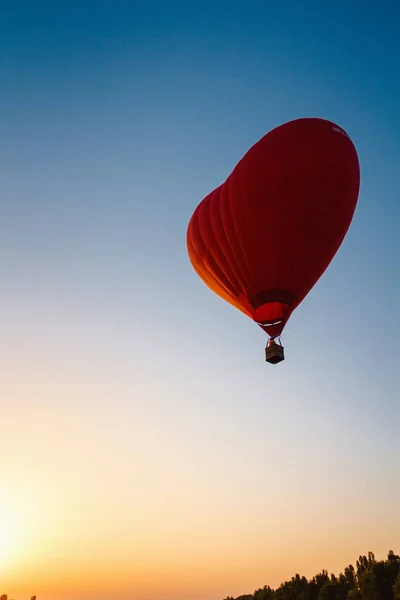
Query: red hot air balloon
[263, 238]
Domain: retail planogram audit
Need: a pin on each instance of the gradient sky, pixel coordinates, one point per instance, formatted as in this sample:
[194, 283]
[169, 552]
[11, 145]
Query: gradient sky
[147, 450]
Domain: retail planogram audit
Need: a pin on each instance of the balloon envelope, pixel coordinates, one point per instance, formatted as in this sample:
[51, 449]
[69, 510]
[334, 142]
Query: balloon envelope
[263, 238]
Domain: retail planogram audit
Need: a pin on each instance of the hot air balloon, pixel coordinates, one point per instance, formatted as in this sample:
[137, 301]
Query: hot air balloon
[263, 238]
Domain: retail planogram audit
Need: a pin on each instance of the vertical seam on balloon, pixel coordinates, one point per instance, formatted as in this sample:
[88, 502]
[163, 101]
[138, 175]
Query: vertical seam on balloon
[241, 261]
[245, 215]
[208, 274]
[208, 277]
[229, 257]
[215, 267]
[215, 202]
[232, 237]
[211, 275]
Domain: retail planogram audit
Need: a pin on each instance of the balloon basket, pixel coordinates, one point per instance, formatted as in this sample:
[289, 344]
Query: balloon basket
[274, 353]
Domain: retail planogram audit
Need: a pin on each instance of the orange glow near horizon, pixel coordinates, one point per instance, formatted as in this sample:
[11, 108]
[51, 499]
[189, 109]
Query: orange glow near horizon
[78, 545]
[97, 507]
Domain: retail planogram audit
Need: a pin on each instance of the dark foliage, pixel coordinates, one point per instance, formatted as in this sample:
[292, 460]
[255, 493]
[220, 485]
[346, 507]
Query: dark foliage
[371, 579]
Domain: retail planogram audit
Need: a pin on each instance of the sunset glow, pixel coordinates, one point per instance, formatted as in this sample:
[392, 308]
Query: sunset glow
[10, 538]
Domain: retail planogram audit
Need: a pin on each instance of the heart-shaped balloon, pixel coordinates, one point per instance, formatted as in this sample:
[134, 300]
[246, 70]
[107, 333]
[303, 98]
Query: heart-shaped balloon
[263, 238]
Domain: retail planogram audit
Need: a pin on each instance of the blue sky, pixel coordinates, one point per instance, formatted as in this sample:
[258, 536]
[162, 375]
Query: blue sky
[117, 118]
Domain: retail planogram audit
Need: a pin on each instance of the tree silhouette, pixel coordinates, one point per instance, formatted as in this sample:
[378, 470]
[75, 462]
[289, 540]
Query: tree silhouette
[396, 587]
[371, 580]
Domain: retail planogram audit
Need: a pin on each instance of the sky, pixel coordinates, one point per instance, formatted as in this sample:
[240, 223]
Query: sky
[147, 451]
